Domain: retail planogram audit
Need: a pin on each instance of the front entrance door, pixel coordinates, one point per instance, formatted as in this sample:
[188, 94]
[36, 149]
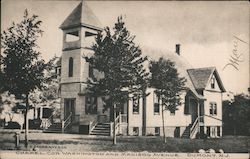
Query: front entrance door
[194, 109]
[69, 107]
[121, 107]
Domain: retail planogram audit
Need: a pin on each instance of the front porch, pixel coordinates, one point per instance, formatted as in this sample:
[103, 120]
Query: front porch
[89, 125]
[204, 120]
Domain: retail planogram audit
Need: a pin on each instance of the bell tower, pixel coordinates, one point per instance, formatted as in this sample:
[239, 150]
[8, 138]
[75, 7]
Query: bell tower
[79, 31]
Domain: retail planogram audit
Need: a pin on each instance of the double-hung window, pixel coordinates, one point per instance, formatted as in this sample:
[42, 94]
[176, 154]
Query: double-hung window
[156, 104]
[213, 108]
[136, 102]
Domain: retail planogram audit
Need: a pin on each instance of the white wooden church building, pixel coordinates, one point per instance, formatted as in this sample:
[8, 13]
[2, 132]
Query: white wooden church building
[201, 110]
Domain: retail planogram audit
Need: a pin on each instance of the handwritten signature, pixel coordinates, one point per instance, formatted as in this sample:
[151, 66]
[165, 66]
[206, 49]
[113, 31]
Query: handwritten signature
[235, 58]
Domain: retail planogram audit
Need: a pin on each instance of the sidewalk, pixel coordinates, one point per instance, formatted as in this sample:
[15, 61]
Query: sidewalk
[77, 142]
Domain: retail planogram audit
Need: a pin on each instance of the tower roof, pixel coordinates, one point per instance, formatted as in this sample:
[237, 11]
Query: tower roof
[82, 15]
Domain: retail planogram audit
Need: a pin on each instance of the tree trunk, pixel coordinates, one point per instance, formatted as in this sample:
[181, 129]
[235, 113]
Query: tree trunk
[163, 125]
[26, 121]
[144, 113]
[114, 130]
[163, 122]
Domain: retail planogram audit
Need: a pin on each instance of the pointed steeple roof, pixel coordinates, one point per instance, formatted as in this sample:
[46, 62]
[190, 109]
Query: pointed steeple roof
[82, 15]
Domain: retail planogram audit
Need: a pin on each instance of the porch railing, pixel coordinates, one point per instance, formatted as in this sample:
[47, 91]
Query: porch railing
[118, 120]
[66, 122]
[46, 123]
[212, 117]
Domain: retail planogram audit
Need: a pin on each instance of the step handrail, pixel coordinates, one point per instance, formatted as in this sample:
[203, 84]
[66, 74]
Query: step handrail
[66, 122]
[50, 119]
[194, 126]
[92, 125]
[117, 124]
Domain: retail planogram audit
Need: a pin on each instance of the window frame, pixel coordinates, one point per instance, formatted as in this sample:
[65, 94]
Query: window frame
[172, 112]
[208, 131]
[218, 131]
[213, 131]
[92, 101]
[138, 105]
[91, 71]
[156, 103]
[213, 109]
[213, 82]
[157, 131]
[71, 67]
[136, 131]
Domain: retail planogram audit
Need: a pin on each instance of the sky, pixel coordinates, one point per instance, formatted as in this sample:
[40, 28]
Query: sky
[210, 33]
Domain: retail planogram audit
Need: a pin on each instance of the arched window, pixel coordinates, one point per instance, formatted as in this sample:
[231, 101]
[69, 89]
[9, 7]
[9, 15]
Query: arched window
[71, 63]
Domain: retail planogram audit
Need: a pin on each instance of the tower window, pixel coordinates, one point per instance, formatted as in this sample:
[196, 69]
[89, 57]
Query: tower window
[72, 36]
[71, 63]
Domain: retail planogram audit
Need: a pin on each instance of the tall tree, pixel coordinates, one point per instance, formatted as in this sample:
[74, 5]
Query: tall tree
[46, 96]
[22, 68]
[120, 60]
[236, 117]
[168, 86]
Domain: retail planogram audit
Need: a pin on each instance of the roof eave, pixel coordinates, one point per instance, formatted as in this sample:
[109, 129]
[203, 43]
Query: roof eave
[81, 25]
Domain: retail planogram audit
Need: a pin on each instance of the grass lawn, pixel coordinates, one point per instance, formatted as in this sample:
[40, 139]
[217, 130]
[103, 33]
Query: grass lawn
[73, 142]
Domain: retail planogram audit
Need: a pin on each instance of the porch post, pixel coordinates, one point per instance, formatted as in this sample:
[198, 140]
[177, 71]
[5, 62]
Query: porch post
[41, 112]
[63, 126]
[198, 117]
[128, 117]
[120, 120]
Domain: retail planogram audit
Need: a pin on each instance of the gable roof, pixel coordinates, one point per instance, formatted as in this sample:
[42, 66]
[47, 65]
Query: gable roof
[201, 76]
[82, 15]
[180, 63]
